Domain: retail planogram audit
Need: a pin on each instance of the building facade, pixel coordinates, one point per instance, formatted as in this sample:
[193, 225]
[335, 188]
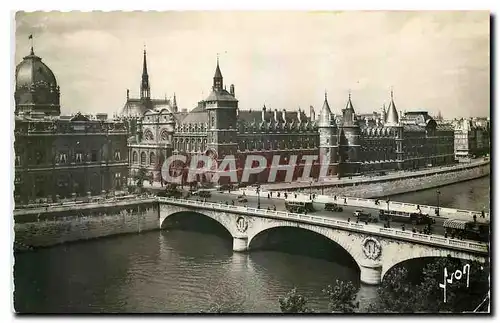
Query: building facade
[348, 143]
[472, 138]
[61, 156]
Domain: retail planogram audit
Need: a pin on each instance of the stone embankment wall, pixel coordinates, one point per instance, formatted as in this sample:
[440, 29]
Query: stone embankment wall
[55, 225]
[406, 185]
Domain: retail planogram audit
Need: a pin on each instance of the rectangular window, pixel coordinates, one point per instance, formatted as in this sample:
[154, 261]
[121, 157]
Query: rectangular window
[94, 155]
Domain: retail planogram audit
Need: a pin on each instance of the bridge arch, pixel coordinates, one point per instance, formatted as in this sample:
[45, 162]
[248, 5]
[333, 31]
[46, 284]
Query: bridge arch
[340, 238]
[413, 252]
[175, 211]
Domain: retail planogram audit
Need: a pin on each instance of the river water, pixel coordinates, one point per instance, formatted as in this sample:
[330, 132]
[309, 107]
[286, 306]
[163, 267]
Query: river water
[183, 271]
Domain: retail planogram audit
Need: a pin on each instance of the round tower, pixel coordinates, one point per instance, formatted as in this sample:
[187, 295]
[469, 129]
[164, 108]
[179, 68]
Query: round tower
[349, 141]
[328, 140]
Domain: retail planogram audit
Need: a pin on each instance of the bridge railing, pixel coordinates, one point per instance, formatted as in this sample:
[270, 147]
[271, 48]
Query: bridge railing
[395, 233]
[370, 203]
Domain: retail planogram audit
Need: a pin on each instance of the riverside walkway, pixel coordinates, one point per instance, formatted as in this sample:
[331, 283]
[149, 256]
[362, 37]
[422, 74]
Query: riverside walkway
[363, 179]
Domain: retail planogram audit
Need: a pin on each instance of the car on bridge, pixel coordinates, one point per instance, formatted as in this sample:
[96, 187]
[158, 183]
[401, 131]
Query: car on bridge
[406, 217]
[299, 206]
[333, 207]
[202, 193]
[242, 199]
[365, 217]
[472, 230]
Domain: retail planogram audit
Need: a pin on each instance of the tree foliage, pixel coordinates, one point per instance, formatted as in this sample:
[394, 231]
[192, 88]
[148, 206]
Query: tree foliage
[293, 302]
[342, 297]
[398, 293]
[141, 176]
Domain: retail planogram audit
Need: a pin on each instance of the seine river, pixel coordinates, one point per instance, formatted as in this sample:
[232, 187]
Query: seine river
[181, 271]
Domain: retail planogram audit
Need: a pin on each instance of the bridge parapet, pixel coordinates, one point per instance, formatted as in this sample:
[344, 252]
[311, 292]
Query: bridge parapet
[447, 243]
[393, 205]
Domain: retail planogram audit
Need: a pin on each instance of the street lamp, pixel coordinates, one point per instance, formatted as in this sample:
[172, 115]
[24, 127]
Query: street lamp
[258, 196]
[310, 189]
[438, 192]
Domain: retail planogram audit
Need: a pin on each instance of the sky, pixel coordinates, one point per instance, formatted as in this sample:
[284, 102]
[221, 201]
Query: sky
[433, 60]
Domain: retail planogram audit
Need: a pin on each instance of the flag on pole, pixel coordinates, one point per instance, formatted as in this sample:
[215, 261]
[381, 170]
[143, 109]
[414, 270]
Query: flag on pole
[30, 37]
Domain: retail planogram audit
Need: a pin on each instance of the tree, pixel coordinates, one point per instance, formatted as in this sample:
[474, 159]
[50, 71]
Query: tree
[293, 302]
[399, 293]
[342, 297]
[141, 176]
[396, 294]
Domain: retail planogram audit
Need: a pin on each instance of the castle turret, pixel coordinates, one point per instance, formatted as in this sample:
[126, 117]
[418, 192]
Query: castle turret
[349, 141]
[328, 140]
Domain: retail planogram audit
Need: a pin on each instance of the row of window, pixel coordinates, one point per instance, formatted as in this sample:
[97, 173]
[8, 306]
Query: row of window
[143, 161]
[64, 157]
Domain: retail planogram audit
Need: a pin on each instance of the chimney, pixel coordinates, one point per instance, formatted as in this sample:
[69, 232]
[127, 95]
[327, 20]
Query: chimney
[312, 113]
[283, 116]
[276, 115]
[264, 113]
[102, 116]
[299, 116]
[231, 89]
[128, 92]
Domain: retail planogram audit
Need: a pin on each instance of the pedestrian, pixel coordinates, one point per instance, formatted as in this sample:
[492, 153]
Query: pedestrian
[271, 194]
[268, 195]
[274, 207]
[482, 213]
[335, 197]
[314, 196]
[348, 219]
[295, 195]
[475, 218]
[345, 200]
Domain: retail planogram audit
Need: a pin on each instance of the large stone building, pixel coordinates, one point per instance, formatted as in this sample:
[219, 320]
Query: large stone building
[472, 138]
[61, 156]
[350, 144]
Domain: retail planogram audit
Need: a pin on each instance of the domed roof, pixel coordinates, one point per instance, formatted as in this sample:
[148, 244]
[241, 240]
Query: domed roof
[33, 71]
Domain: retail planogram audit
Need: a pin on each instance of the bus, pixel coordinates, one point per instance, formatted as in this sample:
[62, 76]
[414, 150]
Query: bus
[299, 206]
[470, 230]
[406, 217]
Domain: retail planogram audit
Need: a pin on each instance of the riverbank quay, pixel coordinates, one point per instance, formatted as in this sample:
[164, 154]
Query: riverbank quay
[54, 224]
[406, 185]
[468, 171]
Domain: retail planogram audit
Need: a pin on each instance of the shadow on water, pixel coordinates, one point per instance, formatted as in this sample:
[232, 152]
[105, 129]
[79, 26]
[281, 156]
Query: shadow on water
[299, 241]
[196, 222]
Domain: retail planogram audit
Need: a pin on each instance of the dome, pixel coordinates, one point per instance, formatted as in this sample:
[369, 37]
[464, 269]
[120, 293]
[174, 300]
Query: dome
[36, 87]
[33, 71]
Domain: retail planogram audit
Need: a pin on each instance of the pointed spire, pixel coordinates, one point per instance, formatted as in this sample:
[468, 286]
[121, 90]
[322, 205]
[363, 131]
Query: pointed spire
[325, 116]
[175, 101]
[218, 81]
[145, 89]
[144, 63]
[392, 113]
[349, 102]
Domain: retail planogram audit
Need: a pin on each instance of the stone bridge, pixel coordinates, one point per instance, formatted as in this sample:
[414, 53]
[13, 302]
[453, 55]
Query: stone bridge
[374, 249]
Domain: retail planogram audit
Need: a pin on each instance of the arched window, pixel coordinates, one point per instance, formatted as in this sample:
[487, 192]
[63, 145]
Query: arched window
[135, 157]
[143, 158]
[152, 158]
[164, 135]
[148, 135]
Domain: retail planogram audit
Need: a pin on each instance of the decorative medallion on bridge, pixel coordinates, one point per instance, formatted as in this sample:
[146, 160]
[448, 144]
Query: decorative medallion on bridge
[372, 248]
[241, 224]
